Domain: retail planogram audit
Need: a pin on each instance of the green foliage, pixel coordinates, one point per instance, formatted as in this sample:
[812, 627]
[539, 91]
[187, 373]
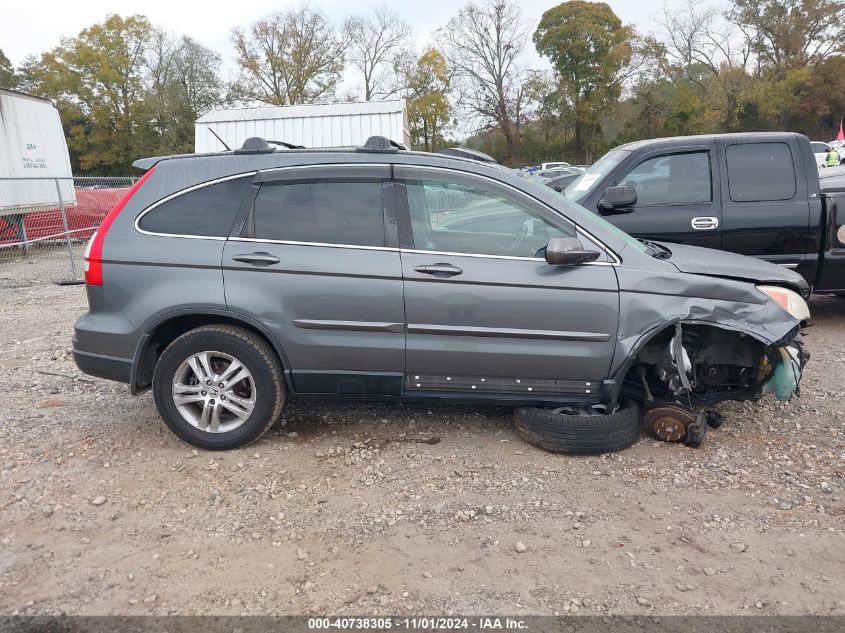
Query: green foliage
[427, 84]
[590, 50]
[96, 79]
[125, 90]
[8, 77]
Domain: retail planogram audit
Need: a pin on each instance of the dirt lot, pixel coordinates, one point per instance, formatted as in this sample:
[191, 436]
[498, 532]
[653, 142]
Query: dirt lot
[370, 508]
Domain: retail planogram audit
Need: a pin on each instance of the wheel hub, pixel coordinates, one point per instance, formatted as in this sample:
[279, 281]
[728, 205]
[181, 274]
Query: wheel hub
[673, 422]
[214, 392]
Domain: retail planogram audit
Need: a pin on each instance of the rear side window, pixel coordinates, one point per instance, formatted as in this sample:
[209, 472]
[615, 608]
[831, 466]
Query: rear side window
[208, 211]
[321, 211]
[760, 172]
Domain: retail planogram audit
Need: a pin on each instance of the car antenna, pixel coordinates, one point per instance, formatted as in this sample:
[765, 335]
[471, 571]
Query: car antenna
[228, 149]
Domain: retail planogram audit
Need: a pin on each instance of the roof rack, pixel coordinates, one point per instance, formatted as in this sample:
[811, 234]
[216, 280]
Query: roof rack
[286, 145]
[463, 152]
[380, 144]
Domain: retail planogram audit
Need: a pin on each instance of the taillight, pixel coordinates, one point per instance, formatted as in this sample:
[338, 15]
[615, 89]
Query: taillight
[94, 250]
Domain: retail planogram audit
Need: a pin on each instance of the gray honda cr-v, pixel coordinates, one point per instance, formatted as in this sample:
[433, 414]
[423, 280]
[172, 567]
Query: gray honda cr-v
[229, 282]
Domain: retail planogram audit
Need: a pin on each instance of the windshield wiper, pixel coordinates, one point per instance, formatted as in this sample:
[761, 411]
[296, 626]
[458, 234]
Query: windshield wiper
[658, 251]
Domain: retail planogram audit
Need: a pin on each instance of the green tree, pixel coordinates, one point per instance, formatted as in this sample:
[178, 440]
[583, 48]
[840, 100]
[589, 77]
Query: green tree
[427, 84]
[8, 76]
[97, 80]
[182, 83]
[591, 50]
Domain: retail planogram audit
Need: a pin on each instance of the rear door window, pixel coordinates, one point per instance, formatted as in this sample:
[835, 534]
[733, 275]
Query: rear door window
[760, 172]
[672, 180]
[324, 211]
[206, 211]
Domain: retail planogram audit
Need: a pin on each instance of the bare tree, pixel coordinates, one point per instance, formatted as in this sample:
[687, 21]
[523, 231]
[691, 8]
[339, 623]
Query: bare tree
[699, 37]
[375, 43]
[482, 46]
[289, 58]
[791, 33]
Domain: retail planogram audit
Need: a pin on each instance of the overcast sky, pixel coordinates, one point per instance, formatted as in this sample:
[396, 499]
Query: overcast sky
[29, 28]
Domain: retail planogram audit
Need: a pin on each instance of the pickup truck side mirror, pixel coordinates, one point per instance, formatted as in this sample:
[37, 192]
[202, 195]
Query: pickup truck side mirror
[619, 199]
[568, 251]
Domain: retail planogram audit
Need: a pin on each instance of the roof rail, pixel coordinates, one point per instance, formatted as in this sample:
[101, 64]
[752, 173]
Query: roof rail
[463, 152]
[286, 145]
[380, 144]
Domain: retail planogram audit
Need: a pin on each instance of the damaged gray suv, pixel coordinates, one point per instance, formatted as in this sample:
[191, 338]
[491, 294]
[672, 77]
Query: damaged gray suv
[229, 282]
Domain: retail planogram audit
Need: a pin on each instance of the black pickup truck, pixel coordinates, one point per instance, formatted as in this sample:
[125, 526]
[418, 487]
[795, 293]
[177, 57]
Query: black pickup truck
[755, 194]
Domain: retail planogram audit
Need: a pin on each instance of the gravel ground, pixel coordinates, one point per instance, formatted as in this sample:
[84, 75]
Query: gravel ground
[402, 509]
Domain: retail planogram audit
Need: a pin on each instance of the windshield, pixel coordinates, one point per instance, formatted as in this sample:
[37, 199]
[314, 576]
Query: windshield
[576, 212]
[589, 180]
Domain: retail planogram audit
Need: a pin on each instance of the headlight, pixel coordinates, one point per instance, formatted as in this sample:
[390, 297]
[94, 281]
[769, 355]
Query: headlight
[788, 300]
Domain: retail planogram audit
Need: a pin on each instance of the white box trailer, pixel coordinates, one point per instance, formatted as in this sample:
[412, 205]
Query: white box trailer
[32, 145]
[334, 125]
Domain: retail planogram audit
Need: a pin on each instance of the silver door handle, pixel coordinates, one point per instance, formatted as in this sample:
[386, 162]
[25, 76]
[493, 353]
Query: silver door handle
[439, 270]
[258, 259]
[706, 223]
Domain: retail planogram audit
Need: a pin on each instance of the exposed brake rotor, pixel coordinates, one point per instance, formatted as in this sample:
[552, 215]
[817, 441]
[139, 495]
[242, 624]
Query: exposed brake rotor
[673, 422]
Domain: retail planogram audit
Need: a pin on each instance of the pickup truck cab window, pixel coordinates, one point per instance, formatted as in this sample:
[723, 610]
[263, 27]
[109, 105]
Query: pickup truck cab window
[760, 172]
[672, 179]
[456, 218]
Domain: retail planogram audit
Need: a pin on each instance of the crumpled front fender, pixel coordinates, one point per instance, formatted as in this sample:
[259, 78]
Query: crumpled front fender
[652, 301]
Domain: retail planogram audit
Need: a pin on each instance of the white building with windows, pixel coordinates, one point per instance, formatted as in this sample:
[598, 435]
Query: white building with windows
[332, 125]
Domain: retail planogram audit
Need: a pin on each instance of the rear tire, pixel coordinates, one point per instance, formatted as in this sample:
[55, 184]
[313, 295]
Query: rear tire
[255, 388]
[579, 434]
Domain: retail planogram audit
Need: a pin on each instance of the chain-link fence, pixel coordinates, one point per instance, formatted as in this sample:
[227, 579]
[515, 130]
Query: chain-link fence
[46, 222]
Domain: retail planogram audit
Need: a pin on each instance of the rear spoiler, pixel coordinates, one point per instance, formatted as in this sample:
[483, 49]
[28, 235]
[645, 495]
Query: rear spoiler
[147, 163]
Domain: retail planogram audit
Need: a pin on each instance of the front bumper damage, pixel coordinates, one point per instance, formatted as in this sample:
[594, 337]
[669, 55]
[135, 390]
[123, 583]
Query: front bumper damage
[786, 376]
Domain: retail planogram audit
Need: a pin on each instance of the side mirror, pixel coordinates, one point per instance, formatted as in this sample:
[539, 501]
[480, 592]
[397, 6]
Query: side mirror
[620, 199]
[568, 251]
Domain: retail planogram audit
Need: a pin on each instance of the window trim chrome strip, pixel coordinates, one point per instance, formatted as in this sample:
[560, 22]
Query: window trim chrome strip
[610, 252]
[616, 260]
[182, 192]
[324, 244]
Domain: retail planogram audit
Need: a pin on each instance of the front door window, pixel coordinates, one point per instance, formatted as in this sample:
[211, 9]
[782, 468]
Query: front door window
[455, 218]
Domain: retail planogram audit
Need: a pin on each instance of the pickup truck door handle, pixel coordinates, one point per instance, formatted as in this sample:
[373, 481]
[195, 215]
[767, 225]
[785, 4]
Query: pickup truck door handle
[257, 259]
[705, 223]
[439, 270]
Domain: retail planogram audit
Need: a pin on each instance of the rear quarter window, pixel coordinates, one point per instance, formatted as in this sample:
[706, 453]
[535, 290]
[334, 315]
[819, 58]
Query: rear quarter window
[207, 211]
[760, 172]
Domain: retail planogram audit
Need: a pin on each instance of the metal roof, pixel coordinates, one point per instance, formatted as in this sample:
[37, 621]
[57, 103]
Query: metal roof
[303, 111]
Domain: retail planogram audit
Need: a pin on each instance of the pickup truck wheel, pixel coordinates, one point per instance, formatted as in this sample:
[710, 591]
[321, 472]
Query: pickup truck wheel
[579, 430]
[219, 387]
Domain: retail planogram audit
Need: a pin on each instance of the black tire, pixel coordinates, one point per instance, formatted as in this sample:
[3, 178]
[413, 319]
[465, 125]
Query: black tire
[253, 353]
[579, 434]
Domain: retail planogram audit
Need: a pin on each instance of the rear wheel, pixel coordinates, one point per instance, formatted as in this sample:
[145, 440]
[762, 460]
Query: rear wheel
[579, 430]
[219, 387]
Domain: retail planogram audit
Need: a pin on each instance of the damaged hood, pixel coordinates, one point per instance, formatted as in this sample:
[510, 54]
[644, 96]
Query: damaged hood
[713, 263]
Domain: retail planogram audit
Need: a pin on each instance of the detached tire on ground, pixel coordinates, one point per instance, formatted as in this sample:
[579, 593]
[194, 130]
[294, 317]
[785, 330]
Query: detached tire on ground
[219, 387]
[576, 432]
